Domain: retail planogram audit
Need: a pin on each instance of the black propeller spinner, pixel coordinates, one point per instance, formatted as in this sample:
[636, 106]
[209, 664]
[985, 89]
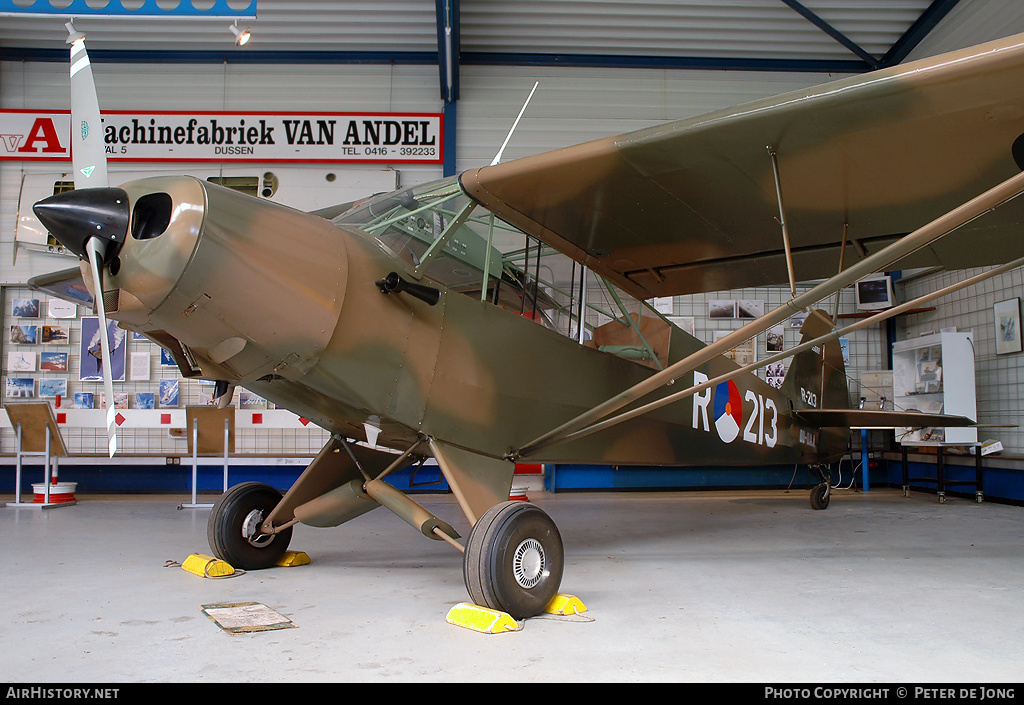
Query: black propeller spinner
[75, 217]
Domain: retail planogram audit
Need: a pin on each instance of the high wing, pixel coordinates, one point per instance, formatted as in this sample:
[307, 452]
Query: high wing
[692, 205]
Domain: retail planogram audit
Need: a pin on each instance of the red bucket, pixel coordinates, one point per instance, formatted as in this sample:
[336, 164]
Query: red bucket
[60, 492]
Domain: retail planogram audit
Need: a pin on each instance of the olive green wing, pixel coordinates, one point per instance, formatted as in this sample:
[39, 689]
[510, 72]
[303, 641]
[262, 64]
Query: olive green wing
[692, 205]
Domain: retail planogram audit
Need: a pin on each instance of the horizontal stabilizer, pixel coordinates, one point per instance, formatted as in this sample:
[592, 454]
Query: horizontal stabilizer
[877, 418]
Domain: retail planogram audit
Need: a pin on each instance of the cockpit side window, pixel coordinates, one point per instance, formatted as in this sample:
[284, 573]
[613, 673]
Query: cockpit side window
[439, 231]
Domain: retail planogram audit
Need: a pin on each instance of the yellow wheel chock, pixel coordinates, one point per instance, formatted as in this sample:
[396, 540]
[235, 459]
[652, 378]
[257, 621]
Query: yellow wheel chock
[565, 605]
[291, 559]
[482, 619]
[207, 566]
[488, 621]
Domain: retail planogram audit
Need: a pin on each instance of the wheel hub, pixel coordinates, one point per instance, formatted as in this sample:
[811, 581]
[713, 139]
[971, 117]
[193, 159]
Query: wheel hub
[251, 529]
[528, 563]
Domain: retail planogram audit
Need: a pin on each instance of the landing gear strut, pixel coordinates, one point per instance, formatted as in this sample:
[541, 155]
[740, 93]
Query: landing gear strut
[513, 560]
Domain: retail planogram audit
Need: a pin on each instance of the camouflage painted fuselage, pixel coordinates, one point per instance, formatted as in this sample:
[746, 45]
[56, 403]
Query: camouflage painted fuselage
[285, 304]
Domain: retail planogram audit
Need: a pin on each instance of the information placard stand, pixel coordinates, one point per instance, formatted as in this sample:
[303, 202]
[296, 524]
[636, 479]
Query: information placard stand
[207, 425]
[38, 435]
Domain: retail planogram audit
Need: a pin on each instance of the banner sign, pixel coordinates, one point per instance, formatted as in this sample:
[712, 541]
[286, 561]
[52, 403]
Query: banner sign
[264, 138]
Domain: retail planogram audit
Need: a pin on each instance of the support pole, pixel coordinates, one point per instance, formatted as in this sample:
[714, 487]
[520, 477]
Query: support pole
[227, 436]
[17, 470]
[195, 469]
[864, 458]
[46, 468]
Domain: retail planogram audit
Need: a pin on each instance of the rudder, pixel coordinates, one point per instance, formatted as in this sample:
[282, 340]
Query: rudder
[816, 379]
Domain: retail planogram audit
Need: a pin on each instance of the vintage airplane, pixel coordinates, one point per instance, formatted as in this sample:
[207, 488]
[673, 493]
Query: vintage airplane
[397, 320]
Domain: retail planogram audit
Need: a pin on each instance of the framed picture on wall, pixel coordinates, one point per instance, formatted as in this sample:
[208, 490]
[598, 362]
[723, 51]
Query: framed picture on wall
[722, 308]
[1007, 315]
[91, 356]
[26, 308]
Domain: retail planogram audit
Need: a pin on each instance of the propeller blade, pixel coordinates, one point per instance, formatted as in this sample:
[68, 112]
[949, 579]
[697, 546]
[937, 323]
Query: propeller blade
[89, 163]
[88, 154]
[94, 248]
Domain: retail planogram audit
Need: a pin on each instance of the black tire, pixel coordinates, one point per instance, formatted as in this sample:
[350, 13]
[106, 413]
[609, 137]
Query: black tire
[248, 502]
[514, 560]
[820, 496]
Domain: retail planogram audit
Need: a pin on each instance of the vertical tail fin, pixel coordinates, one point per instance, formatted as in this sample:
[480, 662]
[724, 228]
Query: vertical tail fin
[816, 379]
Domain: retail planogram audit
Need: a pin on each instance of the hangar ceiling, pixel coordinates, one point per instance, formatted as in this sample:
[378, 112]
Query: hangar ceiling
[799, 35]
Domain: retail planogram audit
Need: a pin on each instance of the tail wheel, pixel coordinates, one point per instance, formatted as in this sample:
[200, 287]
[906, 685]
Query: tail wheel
[233, 528]
[820, 496]
[514, 559]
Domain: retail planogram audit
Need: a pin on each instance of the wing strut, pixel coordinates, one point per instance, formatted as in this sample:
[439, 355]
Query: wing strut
[782, 222]
[835, 334]
[922, 237]
[842, 263]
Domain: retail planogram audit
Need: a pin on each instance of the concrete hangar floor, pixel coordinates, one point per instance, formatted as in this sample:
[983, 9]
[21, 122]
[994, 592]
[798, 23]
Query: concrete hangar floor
[680, 586]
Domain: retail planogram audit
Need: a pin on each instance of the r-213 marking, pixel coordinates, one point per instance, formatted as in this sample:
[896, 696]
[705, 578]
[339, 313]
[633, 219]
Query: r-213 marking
[760, 407]
[809, 397]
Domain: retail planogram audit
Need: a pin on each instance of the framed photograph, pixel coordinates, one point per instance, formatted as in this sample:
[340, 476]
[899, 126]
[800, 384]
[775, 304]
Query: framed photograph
[722, 308]
[929, 371]
[775, 339]
[26, 308]
[83, 400]
[59, 308]
[55, 335]
[206, 395]
[749, 308]
[21, 361]
[50, 387]
[775, 374]
[23, 335]
[20, 388]
[120, 400]
[797, 319]
[743, 354]
[1007, 314]
[145, 400]
[140, 366]
[91, 356]
[249, 400]
[53, 361]
[168, 393]
[686, 323]
[663, 304]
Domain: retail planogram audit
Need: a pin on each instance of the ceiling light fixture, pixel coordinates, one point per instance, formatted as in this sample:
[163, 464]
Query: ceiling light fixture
[242, 36]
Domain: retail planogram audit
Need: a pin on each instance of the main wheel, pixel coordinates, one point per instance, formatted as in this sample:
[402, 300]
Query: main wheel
[820, 496]
[233, 528]
[514, 559]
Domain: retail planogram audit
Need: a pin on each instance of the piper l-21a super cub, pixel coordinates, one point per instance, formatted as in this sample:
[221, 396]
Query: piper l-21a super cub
[400, 321]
